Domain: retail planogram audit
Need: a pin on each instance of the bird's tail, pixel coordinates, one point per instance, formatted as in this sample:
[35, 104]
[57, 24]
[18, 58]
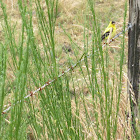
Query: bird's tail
[103, 37]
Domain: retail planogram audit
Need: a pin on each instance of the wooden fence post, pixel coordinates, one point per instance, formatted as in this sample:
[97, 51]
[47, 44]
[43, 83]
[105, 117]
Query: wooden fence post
[134, 60]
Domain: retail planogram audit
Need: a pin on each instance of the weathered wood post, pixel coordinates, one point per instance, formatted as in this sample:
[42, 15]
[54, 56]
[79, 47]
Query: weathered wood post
[134, 60]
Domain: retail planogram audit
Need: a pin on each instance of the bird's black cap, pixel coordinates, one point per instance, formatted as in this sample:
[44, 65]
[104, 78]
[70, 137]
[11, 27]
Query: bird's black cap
[113, 22]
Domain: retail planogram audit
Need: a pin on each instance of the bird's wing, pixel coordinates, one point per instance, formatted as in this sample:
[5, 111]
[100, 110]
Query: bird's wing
[106, 33]
[110, 35]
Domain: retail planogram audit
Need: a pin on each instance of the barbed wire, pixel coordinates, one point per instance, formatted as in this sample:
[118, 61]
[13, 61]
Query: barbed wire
[63, 72]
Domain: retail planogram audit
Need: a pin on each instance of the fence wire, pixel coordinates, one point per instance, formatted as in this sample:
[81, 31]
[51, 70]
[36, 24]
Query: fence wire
[63, 73]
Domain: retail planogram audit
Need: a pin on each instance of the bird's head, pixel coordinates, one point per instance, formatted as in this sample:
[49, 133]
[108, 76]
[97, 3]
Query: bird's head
[112, 24]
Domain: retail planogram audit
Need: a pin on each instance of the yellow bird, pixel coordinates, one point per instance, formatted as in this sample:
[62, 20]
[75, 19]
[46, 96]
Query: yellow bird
[109, 32]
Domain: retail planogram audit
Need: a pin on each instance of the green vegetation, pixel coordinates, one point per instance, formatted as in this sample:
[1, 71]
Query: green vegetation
[83, 104]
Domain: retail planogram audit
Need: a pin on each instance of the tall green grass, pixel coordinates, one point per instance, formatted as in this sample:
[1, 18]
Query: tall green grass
[54, 113]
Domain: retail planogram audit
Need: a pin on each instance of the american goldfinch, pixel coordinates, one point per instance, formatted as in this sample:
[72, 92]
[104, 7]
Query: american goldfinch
[109, 32]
